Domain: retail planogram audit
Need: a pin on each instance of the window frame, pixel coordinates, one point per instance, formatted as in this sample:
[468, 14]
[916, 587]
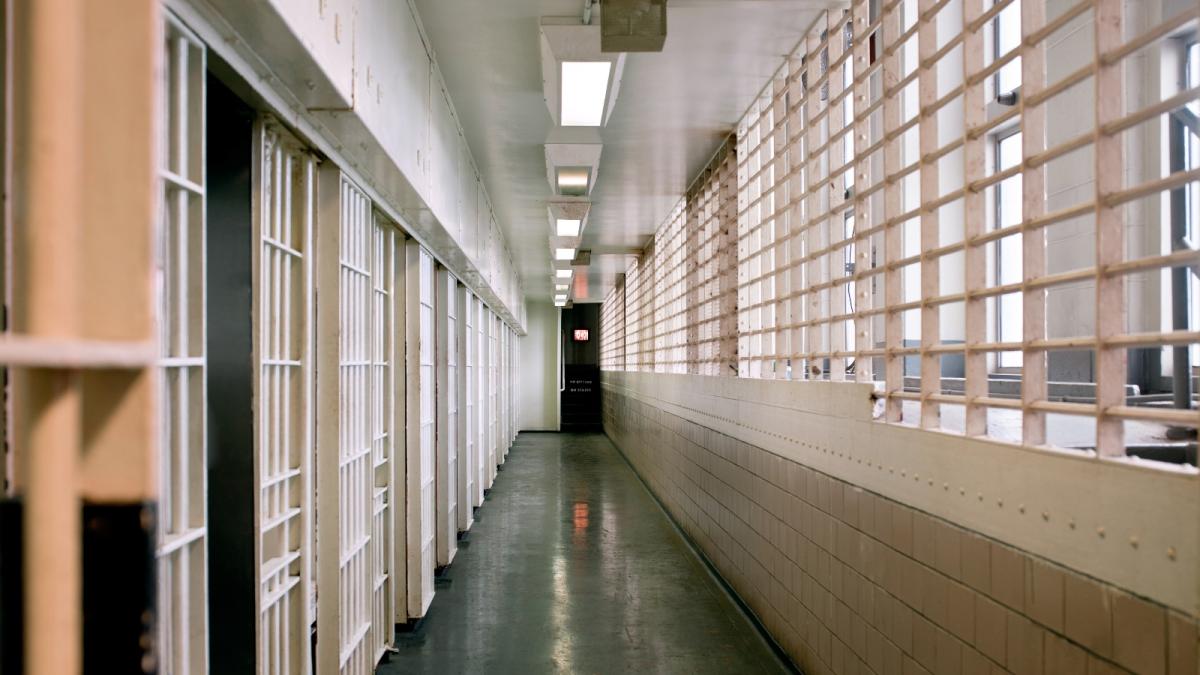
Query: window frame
[995, 139]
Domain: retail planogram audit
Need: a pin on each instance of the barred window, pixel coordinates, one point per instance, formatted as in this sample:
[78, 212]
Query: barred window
[921, 204]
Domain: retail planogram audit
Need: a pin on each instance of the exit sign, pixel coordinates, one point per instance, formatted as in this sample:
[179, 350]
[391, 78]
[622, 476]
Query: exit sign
[581, 335]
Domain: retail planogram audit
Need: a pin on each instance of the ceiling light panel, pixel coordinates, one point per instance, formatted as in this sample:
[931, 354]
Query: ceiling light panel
[566, 227]
[580, 82]
[564, 254]
[563, 274]
[571, 167]
[584, 92]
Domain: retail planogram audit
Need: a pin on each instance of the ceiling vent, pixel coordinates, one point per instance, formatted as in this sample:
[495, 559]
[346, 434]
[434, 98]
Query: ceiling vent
[633, 25]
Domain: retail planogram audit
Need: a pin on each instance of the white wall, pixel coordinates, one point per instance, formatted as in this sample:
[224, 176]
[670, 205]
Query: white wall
[358, 81]
[538, 368]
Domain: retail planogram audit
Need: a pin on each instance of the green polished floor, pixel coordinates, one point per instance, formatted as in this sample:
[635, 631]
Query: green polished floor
[573, 568]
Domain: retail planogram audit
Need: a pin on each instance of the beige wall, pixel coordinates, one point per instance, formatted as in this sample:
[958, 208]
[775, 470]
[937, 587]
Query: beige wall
[537, 374]
[850, 580]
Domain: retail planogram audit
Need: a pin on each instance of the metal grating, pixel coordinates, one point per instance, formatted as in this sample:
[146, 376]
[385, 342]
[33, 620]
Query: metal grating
[483, 455]
[905, 218]
[493, 327]
[612, 328]
[356, 483]
[448, 453]
[182, 549]
[421, 486]
[385, 256]
[468, 472]
[285, 181]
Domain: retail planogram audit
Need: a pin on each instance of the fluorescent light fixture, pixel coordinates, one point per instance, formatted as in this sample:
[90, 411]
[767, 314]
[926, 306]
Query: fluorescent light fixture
[563, 274]
[565, 254]
[561, 287]
[573, 181]
[584, 90]
[562, 303]
[567, 228]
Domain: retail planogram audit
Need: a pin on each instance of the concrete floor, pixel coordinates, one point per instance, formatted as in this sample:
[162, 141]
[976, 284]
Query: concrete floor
[573, 568]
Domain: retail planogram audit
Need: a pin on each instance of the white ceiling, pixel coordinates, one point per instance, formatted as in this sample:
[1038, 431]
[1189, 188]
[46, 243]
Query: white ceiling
[672, 112]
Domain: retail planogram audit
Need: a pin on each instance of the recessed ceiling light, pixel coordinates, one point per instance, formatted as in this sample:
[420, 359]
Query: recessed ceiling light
[584, 89]
[563, 274]
[561, 287]
[567, 228]
[565, 254]
[573, 181]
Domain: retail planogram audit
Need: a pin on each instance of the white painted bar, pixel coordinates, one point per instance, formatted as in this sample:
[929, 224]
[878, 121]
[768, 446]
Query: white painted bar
[448, 438]
[283, 205]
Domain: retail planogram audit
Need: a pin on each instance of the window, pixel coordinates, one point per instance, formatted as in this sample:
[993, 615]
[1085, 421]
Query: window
[1007, 259]
[994, 269]
[1006, 37]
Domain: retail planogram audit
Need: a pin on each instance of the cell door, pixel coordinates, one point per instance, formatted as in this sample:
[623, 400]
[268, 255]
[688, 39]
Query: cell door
[447, 417]
[466, 426]
[422, 410]
[501, 392]
[512, 386]
[505, 376]
[182, 547]
[493, 394]
[283, 203]
[481, 400]
[386, 256]
[357, 278]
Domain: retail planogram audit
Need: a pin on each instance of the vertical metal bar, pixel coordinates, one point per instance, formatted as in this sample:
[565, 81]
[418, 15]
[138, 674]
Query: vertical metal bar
[864, 216]
[835, 122]
[1033, 241]
[891, 27]
[931, 370]
[48, 166]
[1110, 229]
[814, 276]
[974, 224]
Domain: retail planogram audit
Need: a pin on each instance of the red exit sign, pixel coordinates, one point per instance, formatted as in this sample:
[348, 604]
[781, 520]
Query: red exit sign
[581, 335]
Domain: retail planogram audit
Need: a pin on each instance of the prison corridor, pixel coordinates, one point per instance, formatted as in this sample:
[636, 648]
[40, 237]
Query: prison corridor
[571, 566]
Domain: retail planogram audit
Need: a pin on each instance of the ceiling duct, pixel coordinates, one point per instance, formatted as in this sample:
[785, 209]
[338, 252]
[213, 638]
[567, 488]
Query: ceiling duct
[633, 25]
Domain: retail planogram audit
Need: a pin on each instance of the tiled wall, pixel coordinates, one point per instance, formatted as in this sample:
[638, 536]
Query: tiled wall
[848, 581]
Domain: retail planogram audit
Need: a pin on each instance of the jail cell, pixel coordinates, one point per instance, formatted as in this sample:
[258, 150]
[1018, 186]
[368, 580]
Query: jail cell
[182, 548]
[420, 487]
[447, 417]
[386, 420]
[283, 213]
[467, 472]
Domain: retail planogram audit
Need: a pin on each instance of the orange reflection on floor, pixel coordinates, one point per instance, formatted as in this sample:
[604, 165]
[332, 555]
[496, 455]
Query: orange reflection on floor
[580, 520]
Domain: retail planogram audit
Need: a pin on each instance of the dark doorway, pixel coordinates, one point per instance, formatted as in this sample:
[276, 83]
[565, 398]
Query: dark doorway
[581, 358]
[231, 476]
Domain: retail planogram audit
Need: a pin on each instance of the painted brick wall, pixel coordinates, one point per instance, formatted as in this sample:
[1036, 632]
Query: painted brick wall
[848, 581]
